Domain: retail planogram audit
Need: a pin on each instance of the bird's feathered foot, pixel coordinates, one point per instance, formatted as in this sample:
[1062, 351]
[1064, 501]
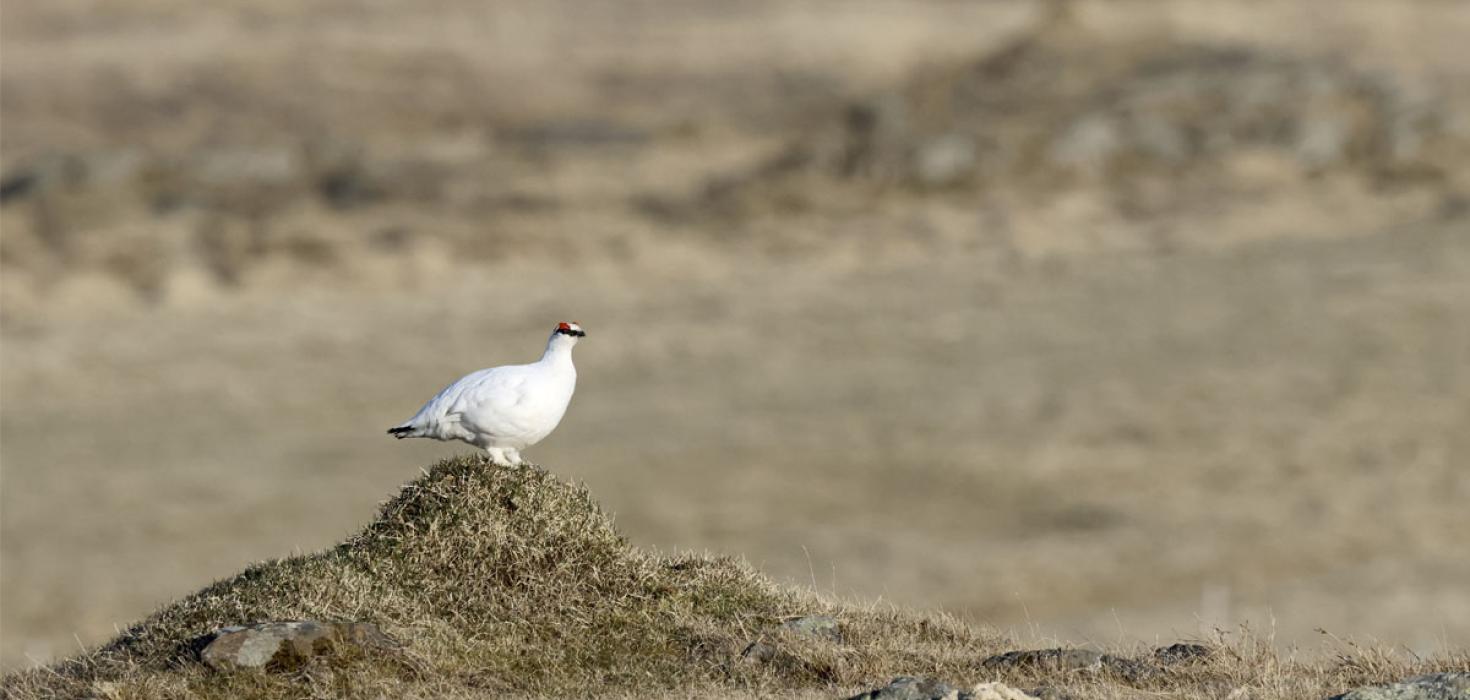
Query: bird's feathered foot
[401, 432]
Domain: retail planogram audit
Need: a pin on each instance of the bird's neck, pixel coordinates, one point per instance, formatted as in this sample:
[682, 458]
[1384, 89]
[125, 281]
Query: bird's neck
[557, 354]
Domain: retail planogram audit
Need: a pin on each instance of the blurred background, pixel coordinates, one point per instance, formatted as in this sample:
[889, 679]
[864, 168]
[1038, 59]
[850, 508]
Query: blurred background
[1095, 321]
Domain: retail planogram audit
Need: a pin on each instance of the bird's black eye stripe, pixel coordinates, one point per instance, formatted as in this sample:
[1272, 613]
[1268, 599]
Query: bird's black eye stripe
[568, 331]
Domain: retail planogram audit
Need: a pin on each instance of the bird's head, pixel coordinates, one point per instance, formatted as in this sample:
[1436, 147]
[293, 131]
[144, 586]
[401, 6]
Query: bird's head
[567, 333]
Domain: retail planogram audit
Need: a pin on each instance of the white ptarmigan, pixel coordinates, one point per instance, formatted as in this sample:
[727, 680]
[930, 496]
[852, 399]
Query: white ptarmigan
[503, 410]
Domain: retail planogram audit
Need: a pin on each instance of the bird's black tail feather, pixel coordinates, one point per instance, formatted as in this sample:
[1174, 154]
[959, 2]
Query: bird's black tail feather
[401, 432]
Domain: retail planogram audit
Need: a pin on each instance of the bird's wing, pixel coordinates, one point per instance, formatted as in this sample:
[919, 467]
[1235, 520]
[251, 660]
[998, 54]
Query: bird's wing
[446, 406]
[496, 388]
[488, 401]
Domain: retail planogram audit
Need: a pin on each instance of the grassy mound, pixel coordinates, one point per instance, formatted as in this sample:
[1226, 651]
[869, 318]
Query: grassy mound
[512, 581]
[496, 580]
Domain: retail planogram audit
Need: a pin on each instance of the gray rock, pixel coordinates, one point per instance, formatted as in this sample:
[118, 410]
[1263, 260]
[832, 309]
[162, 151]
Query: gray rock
[819, 626]
[1058, 659]
[1181, 653]
[997, 691]
[287, 644]
[1073, 660]
[1435, 686]
[910, 688]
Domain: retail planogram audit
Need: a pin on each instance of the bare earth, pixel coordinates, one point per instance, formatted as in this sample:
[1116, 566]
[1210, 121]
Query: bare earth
[1030, 413]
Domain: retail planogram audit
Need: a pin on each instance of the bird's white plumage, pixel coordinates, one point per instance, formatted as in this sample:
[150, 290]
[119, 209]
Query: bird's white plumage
[503, 409]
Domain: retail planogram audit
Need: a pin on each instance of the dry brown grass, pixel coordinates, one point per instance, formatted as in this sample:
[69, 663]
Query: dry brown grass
[513, 582]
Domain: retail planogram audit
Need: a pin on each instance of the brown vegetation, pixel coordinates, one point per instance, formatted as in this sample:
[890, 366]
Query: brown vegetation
[510, 581]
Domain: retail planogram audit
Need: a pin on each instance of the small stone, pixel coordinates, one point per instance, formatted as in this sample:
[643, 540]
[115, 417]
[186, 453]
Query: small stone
[998, 691]
[287, 644]
[1181, 653]
[819, 626]
[910, 688]
[1434, 686]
